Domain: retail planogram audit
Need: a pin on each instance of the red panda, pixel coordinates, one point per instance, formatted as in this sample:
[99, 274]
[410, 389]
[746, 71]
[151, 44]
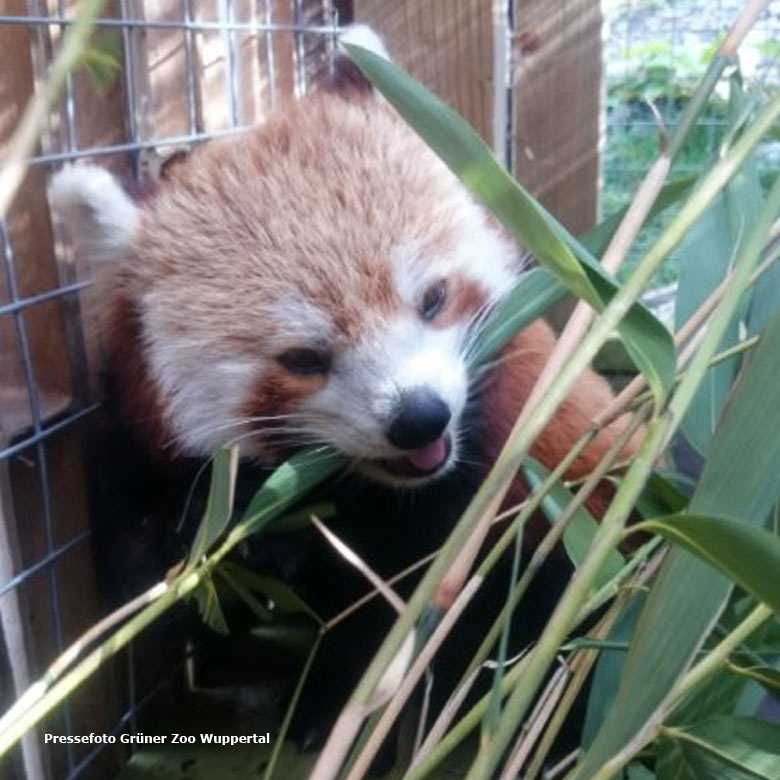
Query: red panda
[321, 280]
[317, 280]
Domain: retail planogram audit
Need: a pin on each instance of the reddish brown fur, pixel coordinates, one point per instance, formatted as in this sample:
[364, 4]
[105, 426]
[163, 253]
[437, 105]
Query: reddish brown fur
[318, 157]
[137, 397]
[464, 299]
[511, 386]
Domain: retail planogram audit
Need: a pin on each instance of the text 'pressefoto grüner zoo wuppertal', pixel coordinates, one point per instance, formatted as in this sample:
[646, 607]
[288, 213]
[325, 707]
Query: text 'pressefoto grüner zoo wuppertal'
[160, 739]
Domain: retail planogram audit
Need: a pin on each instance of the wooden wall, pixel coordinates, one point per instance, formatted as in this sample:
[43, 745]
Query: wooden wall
[555, 75]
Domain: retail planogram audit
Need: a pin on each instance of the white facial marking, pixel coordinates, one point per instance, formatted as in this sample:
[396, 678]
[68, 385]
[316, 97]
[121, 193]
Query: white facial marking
[363, 393]
[300, 323]
[202, 394]
[362, 396]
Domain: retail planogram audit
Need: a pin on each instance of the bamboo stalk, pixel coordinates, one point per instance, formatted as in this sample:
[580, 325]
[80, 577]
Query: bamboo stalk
[15, 155]
[711, 663]
[659, 431]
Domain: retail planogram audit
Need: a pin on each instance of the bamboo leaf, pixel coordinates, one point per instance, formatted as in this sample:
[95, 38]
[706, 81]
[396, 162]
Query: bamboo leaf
[722, 749]
[648, 341]
[765, 301]
[661, 497]
[740, 481]
[536, 291]
[609, 669]
[205, 596]
[748, 555]
[219, 506]
[284, 598]
[581, 529]
[705, 256]
[638, 772]
[288, 483]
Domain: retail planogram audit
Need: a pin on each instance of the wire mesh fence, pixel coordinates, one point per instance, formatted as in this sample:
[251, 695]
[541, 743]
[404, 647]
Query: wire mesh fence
[187, 71]
[183, 72]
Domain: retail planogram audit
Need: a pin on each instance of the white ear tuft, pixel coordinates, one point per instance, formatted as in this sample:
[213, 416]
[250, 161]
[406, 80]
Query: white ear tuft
[95, 210]
[365, 36]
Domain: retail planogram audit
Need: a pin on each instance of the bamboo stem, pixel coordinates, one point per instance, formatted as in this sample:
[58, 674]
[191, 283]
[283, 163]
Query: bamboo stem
[711, 663]
[16, 153]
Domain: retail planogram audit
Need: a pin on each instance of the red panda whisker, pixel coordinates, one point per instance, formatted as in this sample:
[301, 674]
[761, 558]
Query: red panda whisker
[216, 428]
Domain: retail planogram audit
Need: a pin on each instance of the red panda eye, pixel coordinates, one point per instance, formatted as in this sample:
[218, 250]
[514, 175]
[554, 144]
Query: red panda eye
[302, 360]
[433, 300]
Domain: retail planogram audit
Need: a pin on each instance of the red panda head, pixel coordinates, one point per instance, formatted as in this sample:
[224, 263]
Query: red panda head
[315, 281]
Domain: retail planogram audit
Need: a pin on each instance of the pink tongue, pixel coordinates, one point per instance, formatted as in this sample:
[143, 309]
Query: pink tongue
[430, 456]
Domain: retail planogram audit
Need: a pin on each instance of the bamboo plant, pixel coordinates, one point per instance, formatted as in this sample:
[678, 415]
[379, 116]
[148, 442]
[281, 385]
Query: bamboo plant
[687, 638]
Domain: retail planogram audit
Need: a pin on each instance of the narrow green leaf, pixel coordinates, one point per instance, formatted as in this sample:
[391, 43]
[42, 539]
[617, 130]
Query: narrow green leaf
[219, 506]
[291, 632]
[740, 481]
[638, 772]
[536, 291]
[285, 599]
[705, 256]
[723, 749]
[301, 518]
[255, 605]
[609, 668]
[765, 301]
[578, 534]
[205, 596]
[288, 483]
[746, 554]
[648, 341]
[661, 497]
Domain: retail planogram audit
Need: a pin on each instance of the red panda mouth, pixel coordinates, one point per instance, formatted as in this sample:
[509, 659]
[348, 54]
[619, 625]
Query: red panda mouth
[422, 462]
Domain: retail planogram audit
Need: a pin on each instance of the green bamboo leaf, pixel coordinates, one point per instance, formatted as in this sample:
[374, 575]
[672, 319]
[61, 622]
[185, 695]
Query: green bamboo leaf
[639, 772]
[765, 301]
[725, 693]
[290, 632]
[705, 256]
[205, 596]
[259, 609]
[609, 668]
[301, 518]
[746, 554]
[597, 239]
[648, 341]
[721, 749]
[288, 483]
[285, 599]
[740, 481]
[536, 291]
[219, 506]
[661, 497]
[578, 534]
[101, 59]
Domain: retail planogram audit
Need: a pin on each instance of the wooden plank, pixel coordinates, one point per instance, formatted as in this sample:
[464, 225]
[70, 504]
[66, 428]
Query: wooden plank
[445, 44]
[557, 76]
[557, 82]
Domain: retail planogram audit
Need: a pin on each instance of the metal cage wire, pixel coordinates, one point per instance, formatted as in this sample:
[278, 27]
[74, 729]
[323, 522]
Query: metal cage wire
[34, 441]
[37, 437]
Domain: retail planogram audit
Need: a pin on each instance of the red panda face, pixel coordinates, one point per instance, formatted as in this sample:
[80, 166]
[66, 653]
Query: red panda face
[319, 281]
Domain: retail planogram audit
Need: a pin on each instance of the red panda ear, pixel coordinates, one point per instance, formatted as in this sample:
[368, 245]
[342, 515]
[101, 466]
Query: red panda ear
[95, 210]
[344, 76]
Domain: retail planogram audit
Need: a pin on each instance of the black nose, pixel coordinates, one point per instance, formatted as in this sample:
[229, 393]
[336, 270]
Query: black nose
[421, 419]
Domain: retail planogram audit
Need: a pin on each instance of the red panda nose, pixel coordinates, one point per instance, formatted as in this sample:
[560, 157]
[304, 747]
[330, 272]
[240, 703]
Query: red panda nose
[422, 417]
